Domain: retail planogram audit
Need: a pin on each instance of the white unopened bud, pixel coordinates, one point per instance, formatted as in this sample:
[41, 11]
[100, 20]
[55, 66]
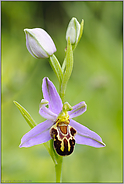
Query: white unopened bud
[39, 43]
[74, 31]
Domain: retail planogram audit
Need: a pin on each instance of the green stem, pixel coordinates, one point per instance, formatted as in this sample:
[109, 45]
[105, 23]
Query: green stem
[58, 71]
[58, 169]
[63, 74]
[67, 69]
[57, 161]
[62, 95]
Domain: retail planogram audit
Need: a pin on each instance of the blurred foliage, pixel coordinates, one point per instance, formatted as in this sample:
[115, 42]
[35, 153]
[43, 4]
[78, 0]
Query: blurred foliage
[96, 79]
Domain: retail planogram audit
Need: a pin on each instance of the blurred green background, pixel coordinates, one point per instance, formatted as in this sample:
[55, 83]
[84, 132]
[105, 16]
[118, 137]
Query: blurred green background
[96, 79]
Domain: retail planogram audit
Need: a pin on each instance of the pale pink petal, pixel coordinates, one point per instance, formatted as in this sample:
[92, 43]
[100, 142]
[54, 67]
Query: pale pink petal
[37, 135]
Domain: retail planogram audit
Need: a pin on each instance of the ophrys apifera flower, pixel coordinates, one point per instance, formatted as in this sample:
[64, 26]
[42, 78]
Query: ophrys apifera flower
[59, 125]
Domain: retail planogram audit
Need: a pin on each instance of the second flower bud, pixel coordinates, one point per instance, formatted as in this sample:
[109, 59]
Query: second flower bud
[39, 43]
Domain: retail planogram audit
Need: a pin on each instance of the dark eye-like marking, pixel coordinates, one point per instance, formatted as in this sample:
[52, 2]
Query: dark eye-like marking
[63, 136]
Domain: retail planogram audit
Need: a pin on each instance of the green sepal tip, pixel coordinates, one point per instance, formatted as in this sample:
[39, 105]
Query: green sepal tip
[26, 115]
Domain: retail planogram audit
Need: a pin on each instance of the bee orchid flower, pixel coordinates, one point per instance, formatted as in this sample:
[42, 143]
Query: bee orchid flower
[59, 124]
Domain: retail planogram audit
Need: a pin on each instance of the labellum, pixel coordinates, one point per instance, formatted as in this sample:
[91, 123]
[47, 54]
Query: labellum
[63, 135]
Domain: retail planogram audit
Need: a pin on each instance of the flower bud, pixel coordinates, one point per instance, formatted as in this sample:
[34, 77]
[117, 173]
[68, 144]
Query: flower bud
[74, 31]
[39, 43]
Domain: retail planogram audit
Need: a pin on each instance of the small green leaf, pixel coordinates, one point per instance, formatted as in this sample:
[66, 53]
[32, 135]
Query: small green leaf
[56, 67]
[26, 115]
[81, 30]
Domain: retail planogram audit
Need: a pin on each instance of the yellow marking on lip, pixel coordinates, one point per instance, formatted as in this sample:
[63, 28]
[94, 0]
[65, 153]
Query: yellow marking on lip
[62, 145]
[69, 146]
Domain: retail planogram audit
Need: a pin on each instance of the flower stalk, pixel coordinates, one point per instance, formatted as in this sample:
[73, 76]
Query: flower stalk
[58, 163]
[58, 170]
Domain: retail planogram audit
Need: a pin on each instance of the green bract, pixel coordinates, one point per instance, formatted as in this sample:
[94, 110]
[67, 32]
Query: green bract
[26, 115]
[68, 68]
